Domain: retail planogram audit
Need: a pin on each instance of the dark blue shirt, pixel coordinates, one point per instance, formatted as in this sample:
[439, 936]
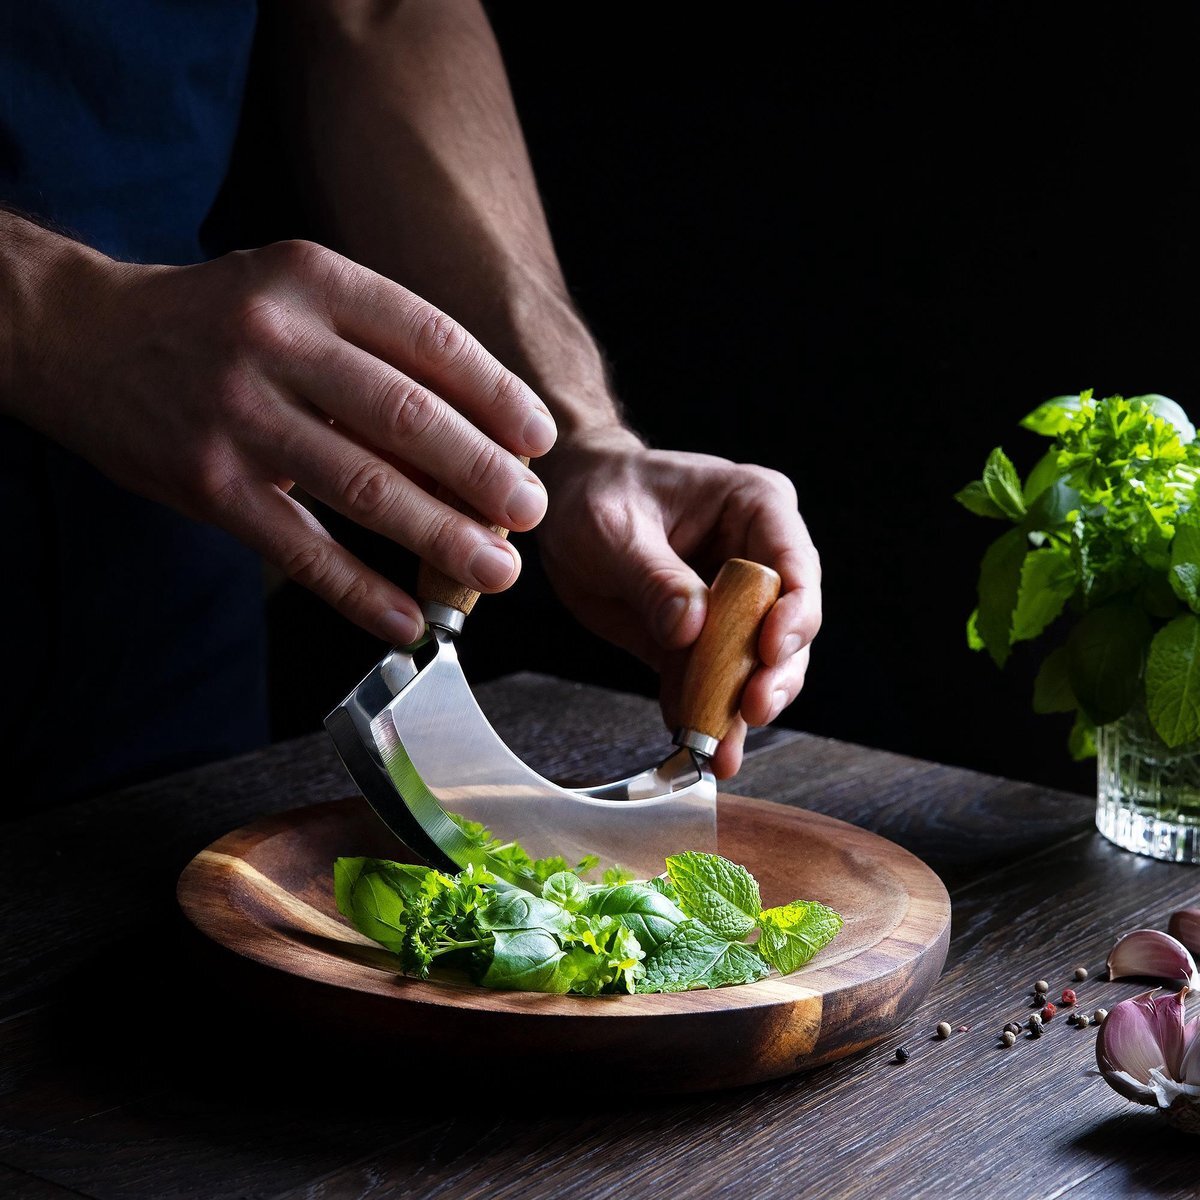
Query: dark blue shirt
[132, 638]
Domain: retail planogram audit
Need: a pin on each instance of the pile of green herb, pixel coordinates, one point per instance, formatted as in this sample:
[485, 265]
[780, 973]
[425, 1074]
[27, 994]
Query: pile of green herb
[536, 924]
[1102, 563]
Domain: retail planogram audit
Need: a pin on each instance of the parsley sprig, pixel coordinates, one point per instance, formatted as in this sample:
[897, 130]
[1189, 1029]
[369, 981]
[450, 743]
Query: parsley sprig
[1102, 563]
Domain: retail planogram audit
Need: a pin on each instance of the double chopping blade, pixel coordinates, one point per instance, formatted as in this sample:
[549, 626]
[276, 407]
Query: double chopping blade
[419, 747]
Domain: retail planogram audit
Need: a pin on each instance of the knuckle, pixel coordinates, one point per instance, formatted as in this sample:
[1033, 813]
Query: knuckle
[510, 392]
[444, 542]
[262, 324]
[368, 490]
[406, 410]
[440, 338]
[309, 564]
[299, 257]
[486, 467]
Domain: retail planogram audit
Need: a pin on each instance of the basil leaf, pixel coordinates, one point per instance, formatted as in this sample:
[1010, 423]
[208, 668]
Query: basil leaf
[566, 889]
[697, 957]
[528, 960]
[1105, 652]
[1081, 743]
[1173, 681]
[1053, 416]
[718, 892]
[515, 910]
[1052, 687]
[375, 896]
[644, 910]
[793, 933]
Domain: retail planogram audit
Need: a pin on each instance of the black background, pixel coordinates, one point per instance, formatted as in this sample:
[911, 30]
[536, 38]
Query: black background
[856, 246]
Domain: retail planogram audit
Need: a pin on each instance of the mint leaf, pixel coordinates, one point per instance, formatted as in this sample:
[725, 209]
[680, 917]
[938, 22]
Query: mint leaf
[1105, 651]
[1173, 681]
[999, 586]
[793, 933]
[697, 957]
[642, 909]
[1048, 580]
[1053, 416]
[975, 498]
[1003, 485]
[1185, 562]
[716, 891]
[1052, 687]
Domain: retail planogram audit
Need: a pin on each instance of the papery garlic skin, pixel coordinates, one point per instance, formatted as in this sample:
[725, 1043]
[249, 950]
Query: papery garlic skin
[1148, 1053]
[1184, 925]
[1152, 954]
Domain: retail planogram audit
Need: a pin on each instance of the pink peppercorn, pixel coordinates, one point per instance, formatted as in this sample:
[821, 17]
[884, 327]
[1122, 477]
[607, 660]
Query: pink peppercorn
[1049, 1011]
[1068, 996]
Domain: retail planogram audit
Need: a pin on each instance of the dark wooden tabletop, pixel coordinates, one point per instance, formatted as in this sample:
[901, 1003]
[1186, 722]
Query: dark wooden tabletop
[119, 1077]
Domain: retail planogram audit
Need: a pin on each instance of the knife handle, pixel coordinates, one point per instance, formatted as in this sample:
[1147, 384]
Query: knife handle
[725, 654]
[435, 587]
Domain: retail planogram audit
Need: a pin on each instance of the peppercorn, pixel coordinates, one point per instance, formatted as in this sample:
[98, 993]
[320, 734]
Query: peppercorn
[901, 1054]
[1035, 1031]
[1081, 973]
[943, 1029]
[1048, 1011]
[1099, 1015]
[1068, 996]
[1041, 986]
[964, 1029]
[1009, 1037]
[1012, 1027]
[1034, 1019]
[1039, 998]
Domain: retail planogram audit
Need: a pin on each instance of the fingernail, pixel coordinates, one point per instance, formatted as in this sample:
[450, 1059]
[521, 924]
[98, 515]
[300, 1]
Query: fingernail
[493, 565]
[670, 615]
[540, 431]
[527, 504]
[401, 629]
[779, 700]
[791, 645]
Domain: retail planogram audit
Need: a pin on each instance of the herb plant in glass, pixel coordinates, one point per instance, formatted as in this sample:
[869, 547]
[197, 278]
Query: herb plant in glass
[1101, 567]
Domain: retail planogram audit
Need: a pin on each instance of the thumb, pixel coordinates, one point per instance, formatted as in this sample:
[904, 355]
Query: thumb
[671, 597]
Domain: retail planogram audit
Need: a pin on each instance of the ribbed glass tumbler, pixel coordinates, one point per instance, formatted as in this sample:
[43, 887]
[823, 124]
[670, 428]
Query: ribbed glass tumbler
[1148, 794]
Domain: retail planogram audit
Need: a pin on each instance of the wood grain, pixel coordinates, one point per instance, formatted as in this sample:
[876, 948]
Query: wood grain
[264, 891]
[128, 1068]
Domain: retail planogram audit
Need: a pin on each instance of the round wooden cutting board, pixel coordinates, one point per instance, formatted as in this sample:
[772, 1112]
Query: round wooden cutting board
[265, 893]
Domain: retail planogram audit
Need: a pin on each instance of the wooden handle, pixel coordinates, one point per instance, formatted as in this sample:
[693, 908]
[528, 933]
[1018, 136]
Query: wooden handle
[726, 652]
[436, 586]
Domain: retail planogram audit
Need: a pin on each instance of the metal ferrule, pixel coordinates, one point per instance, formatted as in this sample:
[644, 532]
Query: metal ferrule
[443, 616]
[703, 744]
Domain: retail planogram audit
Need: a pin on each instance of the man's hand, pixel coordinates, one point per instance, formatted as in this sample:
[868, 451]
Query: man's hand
[215, 388]
[632, 535]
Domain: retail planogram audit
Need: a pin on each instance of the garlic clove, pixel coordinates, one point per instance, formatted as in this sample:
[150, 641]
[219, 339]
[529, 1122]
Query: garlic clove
[1189, 1063]
[1184, 925]
[1140, 1046]
[1152, 954]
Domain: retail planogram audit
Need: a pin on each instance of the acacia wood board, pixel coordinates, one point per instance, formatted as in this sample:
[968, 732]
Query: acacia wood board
[263, 895]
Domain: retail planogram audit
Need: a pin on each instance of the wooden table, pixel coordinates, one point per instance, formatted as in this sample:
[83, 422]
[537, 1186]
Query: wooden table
[120, 1077]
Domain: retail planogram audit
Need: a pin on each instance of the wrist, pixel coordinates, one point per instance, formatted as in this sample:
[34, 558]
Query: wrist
[44, 278]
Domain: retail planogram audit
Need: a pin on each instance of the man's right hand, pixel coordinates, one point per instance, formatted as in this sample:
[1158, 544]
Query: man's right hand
[214, 388]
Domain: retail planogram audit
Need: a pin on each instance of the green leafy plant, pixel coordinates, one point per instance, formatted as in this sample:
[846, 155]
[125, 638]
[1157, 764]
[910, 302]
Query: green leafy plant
[1102, 563]
[689, 928]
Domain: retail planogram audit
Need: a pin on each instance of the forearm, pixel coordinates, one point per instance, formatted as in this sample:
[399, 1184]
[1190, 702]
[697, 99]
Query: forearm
[421, 171]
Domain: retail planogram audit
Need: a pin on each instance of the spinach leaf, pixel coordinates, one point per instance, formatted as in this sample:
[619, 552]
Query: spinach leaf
[642, 909]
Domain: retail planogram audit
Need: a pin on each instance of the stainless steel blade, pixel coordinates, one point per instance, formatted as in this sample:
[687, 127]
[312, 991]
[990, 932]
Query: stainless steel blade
[442, 755]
